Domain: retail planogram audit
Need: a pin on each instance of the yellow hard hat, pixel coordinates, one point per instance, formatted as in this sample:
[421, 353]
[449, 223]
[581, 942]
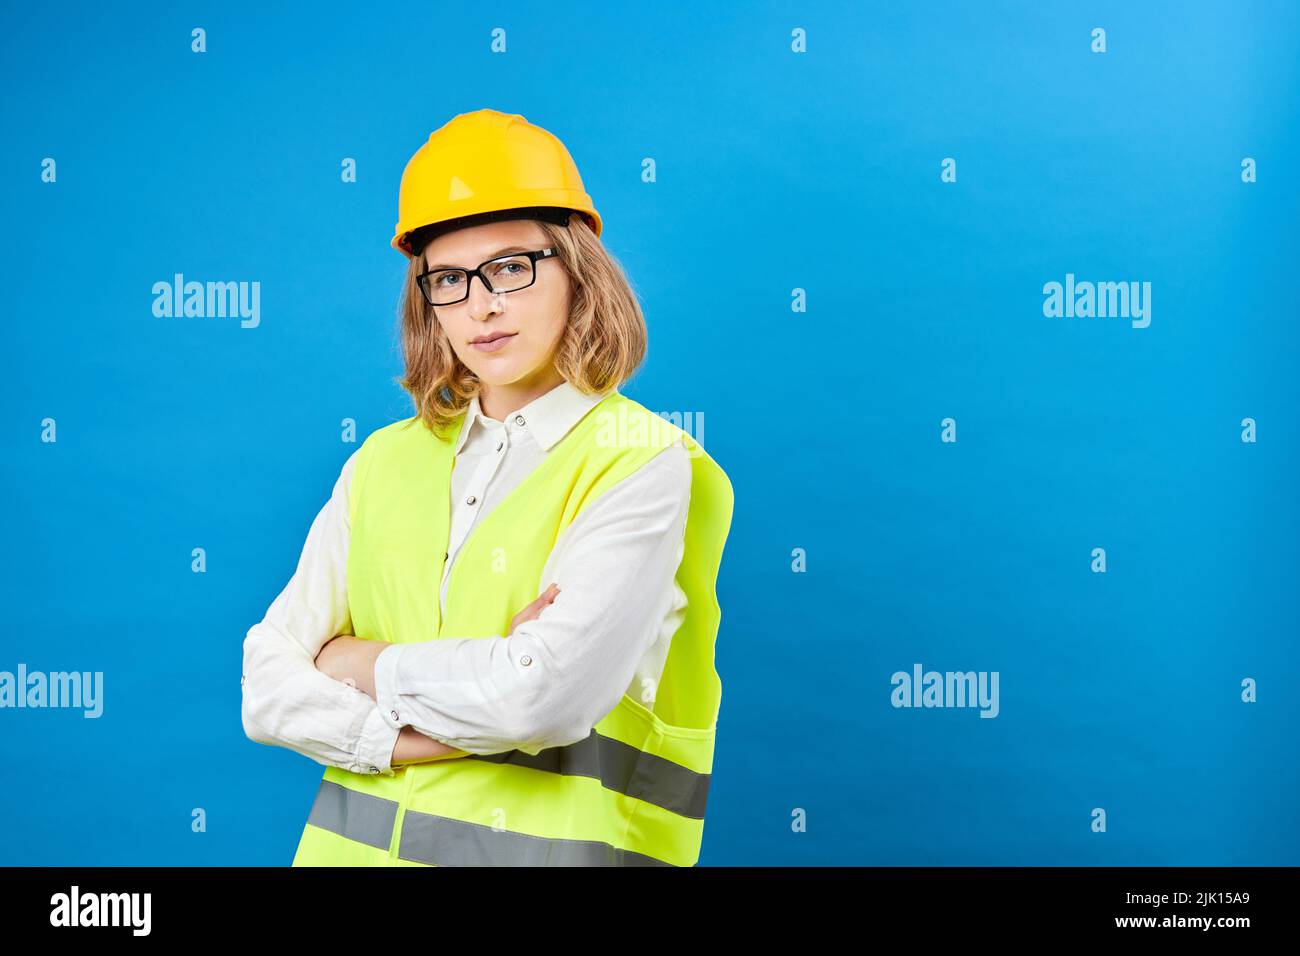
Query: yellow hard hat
[485, 166]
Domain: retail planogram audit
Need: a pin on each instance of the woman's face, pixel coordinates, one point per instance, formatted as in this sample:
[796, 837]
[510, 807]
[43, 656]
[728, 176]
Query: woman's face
[534, 318]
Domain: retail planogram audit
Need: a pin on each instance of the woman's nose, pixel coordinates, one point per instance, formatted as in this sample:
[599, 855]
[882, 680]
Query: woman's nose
[482, 300]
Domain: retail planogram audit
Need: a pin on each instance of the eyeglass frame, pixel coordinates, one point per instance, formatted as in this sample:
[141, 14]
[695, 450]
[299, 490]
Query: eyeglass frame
[533, 256]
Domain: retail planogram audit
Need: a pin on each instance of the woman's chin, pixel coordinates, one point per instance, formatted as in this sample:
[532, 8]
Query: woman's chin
[496, 373]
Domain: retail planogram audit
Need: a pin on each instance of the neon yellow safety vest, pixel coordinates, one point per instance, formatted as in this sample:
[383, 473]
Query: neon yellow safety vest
[634, 791]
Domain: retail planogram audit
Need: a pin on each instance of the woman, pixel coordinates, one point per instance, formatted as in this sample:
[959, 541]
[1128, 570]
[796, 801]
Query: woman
[541, 691]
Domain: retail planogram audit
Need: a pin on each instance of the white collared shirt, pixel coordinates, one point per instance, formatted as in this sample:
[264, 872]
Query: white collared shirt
[545, 685]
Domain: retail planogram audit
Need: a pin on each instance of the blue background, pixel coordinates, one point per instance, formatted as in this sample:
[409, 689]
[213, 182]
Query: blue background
[775, 171]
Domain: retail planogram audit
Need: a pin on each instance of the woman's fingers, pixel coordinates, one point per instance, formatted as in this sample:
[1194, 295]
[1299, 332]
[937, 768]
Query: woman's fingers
[543, 599]
[535, 608]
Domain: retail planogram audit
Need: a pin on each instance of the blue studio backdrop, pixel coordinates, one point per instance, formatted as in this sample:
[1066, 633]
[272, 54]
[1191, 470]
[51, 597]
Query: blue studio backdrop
[986, 310]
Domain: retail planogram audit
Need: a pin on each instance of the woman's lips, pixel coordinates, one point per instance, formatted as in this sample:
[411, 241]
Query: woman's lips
[495, 345]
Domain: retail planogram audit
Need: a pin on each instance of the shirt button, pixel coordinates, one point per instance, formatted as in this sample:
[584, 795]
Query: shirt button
[446, 555]
[242, 679]
[374, 770]
[499, 444]
[470, 500]
[394, 713]
[519, 419]
[525, 660]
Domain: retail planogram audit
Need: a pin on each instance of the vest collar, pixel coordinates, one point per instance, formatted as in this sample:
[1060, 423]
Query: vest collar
[548, 418]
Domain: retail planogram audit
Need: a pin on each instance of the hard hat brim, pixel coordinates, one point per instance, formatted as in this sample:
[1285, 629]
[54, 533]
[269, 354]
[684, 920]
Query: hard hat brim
[417, 239]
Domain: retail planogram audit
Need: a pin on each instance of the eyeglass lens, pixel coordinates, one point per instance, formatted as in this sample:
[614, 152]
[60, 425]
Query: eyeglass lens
[504, 275]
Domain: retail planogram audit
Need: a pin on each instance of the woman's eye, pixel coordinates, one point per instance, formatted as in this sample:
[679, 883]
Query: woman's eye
[445, 275]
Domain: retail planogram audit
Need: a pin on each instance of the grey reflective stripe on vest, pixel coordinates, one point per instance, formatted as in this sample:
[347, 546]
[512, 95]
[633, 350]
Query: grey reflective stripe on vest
[358, 816]
[442, 841]
[620, 767]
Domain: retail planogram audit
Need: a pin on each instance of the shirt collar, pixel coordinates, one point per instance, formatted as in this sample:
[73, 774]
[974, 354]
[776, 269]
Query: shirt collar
[548, 418]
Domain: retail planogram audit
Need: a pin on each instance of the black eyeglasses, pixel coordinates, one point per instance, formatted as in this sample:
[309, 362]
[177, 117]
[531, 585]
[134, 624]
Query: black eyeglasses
[503, 274]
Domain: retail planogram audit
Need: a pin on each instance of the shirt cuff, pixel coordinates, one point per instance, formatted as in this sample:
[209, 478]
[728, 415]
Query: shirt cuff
[375, 748]
[386, 686]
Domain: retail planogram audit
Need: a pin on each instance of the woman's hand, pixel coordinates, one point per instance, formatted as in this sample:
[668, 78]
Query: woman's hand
[534, 610]
[412, 746]
[351, 660]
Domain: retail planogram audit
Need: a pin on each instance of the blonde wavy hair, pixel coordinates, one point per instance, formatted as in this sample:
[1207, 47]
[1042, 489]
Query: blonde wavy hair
[604, 340]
